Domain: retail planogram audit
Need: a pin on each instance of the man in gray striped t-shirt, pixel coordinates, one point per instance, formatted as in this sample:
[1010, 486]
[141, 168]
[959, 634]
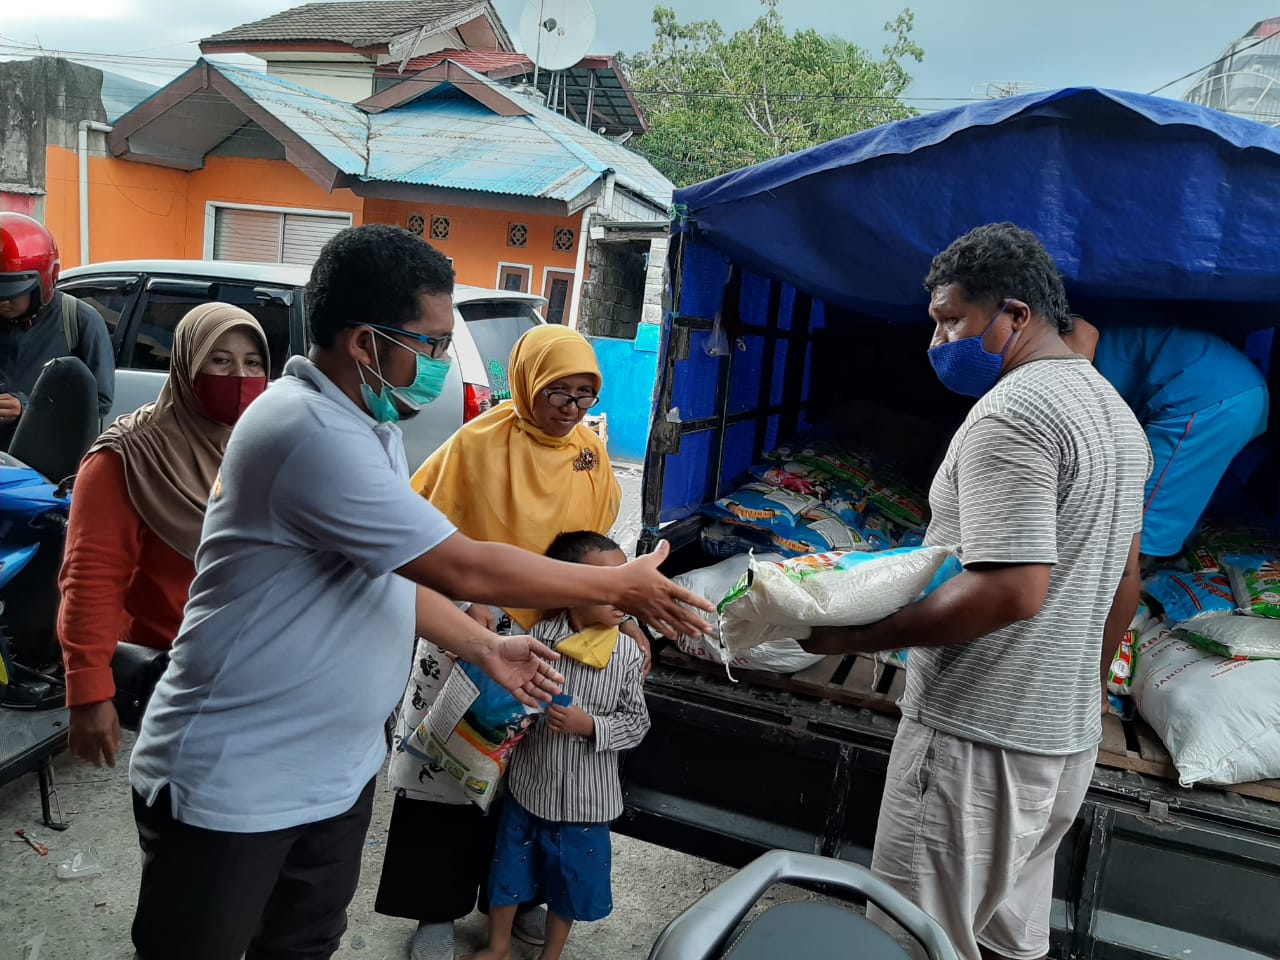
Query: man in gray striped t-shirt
[1041, 495]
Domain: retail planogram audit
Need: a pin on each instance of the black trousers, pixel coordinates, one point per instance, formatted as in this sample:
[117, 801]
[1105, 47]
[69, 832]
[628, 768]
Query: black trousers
[282, 895]
[437, 860]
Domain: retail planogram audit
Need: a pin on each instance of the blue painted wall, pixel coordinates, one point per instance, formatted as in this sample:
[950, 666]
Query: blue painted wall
[630, 371]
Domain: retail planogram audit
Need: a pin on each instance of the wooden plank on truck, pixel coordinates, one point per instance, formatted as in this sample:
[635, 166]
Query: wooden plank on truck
[860, 679]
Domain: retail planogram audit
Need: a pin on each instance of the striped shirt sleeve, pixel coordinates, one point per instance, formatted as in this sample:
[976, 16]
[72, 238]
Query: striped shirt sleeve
[624, 727]
[1007, 483]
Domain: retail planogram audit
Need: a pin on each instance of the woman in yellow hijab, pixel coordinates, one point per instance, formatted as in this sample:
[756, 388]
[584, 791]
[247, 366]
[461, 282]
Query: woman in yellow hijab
[522, 473]
[527, 471]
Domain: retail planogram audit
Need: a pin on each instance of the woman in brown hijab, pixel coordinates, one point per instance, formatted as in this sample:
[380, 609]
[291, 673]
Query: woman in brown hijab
[138, 507]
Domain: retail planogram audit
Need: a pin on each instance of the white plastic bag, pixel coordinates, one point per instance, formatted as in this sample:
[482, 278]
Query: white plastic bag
[713, 582]
[1232, 635]
[469, 732]
[1218, 718]
[777, 600]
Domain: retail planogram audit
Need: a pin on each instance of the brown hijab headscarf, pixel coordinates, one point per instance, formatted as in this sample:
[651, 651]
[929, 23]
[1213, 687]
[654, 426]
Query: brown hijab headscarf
[171, 450]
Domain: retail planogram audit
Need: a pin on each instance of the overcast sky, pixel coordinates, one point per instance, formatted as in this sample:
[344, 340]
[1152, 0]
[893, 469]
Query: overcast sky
[1127, 44]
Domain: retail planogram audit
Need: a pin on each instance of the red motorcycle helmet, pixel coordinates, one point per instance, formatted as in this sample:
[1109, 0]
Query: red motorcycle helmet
[28, 259]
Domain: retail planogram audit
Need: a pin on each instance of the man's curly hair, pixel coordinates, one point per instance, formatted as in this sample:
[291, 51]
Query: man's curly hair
[372, 274]
[1001, 261]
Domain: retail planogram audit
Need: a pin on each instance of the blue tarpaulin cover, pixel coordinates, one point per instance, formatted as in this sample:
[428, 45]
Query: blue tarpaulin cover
[1136, 197]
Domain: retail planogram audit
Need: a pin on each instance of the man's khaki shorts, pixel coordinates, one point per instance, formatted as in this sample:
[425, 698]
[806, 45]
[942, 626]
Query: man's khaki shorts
[969, 833]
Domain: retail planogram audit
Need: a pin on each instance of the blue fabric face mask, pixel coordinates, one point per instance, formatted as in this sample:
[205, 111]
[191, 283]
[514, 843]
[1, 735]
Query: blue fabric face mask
[428, 383]
[967, 367]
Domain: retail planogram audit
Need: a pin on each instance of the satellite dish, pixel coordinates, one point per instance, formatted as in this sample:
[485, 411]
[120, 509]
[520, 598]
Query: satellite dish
[557, 33]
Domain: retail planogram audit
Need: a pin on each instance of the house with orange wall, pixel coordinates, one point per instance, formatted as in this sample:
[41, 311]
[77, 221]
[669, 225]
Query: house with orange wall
[230, 163]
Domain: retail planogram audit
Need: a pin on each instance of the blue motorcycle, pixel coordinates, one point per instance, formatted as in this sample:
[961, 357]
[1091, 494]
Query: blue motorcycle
[33, 524]
[55, 430]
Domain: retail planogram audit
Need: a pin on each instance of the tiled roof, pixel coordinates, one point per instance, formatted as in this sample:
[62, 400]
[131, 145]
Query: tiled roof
[357, 24]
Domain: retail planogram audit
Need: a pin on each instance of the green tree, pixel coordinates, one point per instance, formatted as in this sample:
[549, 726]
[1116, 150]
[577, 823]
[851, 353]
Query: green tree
[716, 103]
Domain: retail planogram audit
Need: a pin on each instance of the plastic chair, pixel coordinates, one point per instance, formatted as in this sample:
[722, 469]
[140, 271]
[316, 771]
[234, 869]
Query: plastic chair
[802, 930]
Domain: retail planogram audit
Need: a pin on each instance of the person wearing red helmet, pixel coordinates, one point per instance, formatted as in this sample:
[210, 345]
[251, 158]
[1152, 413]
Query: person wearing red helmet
[33, 322]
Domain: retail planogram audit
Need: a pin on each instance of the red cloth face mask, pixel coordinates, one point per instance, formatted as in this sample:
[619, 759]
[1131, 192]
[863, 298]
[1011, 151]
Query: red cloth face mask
[225, 398]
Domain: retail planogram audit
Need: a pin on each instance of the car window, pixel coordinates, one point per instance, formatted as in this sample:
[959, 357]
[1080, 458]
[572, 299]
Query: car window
[495, 326]
[108, 295]
[168, 302]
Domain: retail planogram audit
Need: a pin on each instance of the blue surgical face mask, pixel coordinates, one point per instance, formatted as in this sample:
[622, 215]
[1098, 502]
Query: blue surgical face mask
[966, 366]
[428, 383]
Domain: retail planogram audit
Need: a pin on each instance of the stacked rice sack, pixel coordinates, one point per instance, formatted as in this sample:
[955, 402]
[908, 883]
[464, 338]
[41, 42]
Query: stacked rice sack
[815, 498]
[1205, 667]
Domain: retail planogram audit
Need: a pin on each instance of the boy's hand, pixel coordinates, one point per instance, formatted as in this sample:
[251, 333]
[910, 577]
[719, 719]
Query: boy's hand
[633, 630]
[481, 614]
[571, 720]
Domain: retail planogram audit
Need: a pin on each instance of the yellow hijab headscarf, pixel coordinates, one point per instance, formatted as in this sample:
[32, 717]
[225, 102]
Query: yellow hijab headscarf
[501, 479]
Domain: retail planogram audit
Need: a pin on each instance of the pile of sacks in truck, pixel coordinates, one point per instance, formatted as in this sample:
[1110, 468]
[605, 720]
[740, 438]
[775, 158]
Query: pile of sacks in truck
[814, 498]
[1201, 660]
[834, 537]
[820, 535]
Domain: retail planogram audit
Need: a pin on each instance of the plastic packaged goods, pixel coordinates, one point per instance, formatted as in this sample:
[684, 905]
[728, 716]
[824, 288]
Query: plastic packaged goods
[784, 600]
[1219, 718]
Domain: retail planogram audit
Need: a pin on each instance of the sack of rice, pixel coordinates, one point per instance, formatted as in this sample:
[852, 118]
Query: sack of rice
[1219, 719]
[713, 582]
[1255, 581]
[777, 600]
[1235, 636]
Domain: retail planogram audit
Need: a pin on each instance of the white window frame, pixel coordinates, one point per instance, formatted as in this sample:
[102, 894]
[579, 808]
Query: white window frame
[212, 206]
[497, 279]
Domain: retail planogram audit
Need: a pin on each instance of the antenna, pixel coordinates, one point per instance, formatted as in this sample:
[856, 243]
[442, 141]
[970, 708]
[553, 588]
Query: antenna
[999, 89]
[558, 32]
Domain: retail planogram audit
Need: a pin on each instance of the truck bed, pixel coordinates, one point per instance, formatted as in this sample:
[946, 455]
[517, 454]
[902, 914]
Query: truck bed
[1150, 870]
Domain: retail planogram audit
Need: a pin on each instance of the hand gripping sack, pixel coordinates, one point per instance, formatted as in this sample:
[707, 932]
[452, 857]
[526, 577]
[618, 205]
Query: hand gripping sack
[712, 583]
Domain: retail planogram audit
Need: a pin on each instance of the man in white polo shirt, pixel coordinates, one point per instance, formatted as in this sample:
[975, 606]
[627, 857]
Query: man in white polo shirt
[253, 772]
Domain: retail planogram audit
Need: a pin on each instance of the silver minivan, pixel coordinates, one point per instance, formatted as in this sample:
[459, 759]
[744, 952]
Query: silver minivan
[143, 300]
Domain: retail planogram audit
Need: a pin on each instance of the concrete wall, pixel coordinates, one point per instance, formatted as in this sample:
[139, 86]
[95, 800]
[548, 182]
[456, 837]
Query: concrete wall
[42, 102]
[137, 210]
[478, 240]
[351, 82]
[613, 291]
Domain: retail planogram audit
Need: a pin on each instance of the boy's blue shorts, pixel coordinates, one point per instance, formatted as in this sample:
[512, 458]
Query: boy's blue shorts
[568, 863]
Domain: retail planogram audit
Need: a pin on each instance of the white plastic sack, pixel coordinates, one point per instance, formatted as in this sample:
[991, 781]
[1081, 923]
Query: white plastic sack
[713, 582]
[1232, 635]
[1218, 718]
[777, 600]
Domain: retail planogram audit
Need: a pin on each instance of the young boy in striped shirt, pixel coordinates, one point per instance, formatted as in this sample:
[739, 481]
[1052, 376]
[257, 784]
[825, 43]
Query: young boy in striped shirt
[553, 836]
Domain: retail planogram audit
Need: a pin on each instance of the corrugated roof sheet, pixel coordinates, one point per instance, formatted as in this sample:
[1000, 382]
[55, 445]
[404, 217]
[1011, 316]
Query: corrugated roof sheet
[446, 139]
[631, 170]
[338, 129]
[358, 24]
[449, 140]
